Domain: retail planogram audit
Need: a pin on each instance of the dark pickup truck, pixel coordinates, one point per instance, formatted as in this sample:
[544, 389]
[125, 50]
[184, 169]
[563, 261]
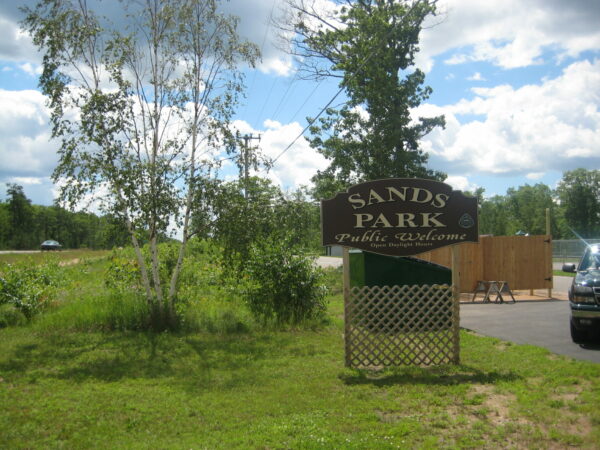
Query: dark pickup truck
[584, 296]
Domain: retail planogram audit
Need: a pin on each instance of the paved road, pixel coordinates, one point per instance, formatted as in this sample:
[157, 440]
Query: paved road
[541, 323]
[561, 284]
[329, 261]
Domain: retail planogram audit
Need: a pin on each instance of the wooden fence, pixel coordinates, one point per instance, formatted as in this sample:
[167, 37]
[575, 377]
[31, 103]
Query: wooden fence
[525, 262]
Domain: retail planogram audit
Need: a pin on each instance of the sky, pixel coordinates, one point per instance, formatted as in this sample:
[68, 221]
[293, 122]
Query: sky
[517, 81]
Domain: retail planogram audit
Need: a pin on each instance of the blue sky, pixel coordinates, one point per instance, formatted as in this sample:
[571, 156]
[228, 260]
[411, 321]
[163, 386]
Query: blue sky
[518, 82]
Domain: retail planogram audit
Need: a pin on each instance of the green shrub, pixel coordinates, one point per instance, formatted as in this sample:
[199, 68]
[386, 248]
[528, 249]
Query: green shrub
[209, 294]
[29, 287]
[11, 316]
[283, 286]
[122, 273]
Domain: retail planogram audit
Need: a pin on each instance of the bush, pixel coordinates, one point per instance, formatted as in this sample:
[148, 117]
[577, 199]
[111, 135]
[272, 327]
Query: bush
[122, 273]
[11, 316]
[283, 286]
[209, 294]
[29, 287]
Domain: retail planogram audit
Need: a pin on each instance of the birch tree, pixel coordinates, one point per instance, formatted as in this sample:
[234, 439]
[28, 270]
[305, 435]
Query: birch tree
[141, 110]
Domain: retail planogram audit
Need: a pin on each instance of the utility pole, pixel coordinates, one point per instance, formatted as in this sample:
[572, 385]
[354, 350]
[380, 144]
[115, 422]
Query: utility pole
[246, 159]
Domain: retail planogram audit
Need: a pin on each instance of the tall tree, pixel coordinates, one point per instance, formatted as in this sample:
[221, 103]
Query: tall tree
[21, 216]
[141, 111]
[493, 217]
[370, 46]
[5, 228]
[579, 195]
[526, 206]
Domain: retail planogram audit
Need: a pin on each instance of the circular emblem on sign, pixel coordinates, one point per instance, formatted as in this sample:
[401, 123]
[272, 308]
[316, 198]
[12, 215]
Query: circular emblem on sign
[466, 221]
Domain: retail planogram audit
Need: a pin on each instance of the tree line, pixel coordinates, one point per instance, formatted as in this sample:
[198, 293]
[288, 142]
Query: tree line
[574, 208]
[24, 226]
[244, 212]
[240, 213]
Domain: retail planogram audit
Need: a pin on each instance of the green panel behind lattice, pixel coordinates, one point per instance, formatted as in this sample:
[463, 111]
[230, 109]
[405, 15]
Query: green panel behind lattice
[371, 269]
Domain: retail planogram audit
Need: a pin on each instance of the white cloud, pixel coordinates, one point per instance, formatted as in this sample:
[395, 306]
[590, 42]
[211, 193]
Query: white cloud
[296, 165]
[15, 45]
[279, 66]
[510, 33]
[476, 77]
[460, 183]
[26, 180]
[551, 126]
[25, 147]
[535, 175]
[31, 69]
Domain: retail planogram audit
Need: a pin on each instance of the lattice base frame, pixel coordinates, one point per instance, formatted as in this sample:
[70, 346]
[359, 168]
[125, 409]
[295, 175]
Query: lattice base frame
[401, 325]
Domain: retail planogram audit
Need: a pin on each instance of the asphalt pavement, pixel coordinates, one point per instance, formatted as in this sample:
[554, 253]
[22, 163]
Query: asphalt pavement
[531, 320]
[544, 323]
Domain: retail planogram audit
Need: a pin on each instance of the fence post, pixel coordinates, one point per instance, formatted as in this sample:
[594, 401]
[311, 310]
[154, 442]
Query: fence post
[346, 267]
[549, 233]
[456, 302]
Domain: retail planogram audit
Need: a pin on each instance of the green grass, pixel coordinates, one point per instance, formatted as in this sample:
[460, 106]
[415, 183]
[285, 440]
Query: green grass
[282, 390]
[66, 388]
[560, 273]
[65, 255]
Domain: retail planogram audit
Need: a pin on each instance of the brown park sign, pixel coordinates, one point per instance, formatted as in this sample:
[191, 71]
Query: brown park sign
[399, 216]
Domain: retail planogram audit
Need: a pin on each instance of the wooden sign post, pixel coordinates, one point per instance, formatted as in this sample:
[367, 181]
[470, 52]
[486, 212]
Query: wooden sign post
[456, 301]
[400, 324]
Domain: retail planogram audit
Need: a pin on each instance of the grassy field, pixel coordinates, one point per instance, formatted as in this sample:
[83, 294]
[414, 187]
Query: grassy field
[63, 388]
[64, 255]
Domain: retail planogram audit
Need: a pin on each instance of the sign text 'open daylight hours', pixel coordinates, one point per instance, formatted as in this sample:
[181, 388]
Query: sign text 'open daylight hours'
[399, 216]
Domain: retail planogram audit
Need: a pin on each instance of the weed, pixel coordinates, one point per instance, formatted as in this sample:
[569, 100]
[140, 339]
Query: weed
[28, 287]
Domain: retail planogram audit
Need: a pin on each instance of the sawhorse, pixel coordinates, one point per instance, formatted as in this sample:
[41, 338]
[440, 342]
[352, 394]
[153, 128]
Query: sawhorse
[493, 287]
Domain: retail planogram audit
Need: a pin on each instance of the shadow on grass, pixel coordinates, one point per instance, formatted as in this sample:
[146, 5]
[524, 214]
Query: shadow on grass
[440, 375]
[194, 360]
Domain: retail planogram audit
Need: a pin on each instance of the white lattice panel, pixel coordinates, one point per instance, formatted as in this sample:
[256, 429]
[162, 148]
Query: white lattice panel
[401, 325]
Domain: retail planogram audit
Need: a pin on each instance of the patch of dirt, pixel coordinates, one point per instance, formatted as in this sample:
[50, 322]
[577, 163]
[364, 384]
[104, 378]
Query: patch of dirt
[502, 346]
[497, 404]
[389, 416]
[573, 423]
[69, 262]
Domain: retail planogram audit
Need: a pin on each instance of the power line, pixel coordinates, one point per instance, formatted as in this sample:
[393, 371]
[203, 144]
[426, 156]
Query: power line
[363, 63]
[306, 100]
[307, 127]
[283, 97]
[262, 47]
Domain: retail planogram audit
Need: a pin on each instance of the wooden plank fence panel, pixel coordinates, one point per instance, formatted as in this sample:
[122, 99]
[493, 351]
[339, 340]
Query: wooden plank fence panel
[525, 262]
[471, 267]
